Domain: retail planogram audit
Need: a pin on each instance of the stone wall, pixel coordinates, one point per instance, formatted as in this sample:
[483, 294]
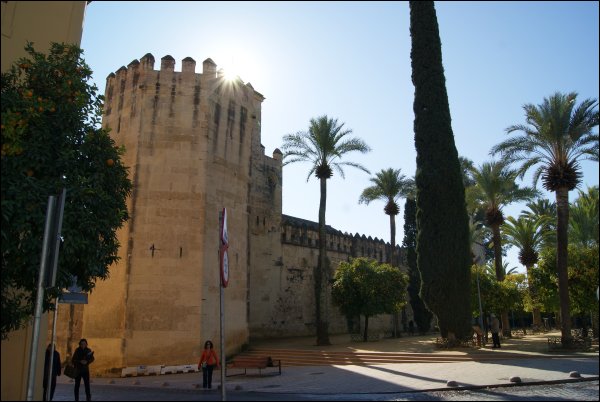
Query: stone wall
[283, 298]
[189, 140]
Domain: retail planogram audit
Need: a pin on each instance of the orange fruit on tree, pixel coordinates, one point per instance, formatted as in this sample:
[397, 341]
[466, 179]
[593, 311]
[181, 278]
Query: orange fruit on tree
[110, 162]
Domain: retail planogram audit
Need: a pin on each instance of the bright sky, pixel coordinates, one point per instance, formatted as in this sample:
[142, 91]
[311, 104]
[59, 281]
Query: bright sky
[351, 61]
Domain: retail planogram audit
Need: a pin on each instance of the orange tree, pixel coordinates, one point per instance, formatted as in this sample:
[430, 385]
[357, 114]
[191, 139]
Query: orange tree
[583, 281]
[365, 287]
[51, 139]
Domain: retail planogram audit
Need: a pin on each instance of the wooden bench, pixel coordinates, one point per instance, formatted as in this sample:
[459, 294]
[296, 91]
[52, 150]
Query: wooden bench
[518, 333]
[445, 343]
[254, 362]
[555, 342]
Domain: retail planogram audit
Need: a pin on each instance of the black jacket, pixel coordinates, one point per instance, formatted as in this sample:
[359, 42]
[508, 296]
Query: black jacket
[82, 354]
[55, 365]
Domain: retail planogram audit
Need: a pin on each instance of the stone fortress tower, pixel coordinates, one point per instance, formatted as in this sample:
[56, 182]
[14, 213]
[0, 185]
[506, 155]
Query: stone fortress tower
[193, 146]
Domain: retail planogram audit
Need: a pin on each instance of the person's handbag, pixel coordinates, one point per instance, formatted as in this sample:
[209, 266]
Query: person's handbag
[203, 365]
[71, 371]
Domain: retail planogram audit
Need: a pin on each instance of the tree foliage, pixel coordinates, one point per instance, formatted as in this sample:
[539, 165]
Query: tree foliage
[51, 140]
[583, 279]
[583, 222]
[558, 135]
[365, 287]
[422, 315]
[443, 249]
[497, 296]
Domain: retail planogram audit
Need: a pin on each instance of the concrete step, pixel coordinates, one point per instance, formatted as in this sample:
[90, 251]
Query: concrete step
[291, 357]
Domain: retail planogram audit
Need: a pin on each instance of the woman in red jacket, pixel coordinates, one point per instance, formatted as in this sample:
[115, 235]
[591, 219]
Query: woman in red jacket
[207, 363]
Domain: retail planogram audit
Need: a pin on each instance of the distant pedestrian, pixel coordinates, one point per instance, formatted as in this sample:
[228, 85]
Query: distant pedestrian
[208, 361]
[495, 327]
[82, 358]
[55, 371]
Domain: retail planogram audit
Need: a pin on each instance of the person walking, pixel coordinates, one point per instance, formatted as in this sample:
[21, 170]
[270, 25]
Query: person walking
[495, 328]
[55, 371]
[208, 361]
[82, 358]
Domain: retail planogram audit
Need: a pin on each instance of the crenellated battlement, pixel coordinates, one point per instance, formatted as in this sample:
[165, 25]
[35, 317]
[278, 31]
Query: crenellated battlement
[305, 233]
[188, 68]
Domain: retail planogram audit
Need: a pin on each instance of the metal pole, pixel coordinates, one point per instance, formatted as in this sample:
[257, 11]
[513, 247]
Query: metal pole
[35, 337]
[479, 297]
[222, 303]
[51, 367]
[221, 314]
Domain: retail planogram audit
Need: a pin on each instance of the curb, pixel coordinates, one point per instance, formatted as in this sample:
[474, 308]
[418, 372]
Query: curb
[194, 389]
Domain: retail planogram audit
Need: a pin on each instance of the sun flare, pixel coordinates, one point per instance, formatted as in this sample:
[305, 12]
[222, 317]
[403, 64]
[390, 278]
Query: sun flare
[231, 69]
[239, 64]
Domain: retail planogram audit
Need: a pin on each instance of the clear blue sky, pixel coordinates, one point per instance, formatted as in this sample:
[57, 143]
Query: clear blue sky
[351, 61]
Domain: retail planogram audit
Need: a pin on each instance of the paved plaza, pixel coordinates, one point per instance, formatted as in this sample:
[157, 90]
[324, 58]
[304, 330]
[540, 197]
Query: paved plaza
[486, 373]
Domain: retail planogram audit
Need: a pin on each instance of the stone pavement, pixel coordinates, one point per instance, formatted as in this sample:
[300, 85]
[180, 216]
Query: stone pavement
[527, 358]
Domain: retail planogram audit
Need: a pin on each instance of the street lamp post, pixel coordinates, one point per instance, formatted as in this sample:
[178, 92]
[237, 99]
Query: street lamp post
[479, 297]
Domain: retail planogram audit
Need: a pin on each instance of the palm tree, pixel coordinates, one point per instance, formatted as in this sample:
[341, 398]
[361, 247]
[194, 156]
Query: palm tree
[476, 235]
[528, 236]
[494, 188]
[545, 210]
[389, 185]
[557, 136]
[323, 145]
[583, 225]
[490, 269]
[466, 166]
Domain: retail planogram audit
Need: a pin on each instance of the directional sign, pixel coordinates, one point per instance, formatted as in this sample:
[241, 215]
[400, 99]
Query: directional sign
[224, 246]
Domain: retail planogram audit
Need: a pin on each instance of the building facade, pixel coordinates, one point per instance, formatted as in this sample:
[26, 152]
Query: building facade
[193, 145]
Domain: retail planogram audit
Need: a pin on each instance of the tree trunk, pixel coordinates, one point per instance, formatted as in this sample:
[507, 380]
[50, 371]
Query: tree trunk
[505, 324]
[393, 261]
[537, 317]
[497, 238]
[322, 275]
[366, 334]
[562, 211]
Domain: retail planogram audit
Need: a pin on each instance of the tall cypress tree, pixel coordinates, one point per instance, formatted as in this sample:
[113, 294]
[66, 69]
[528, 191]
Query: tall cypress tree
[443, 255]
[422, 315]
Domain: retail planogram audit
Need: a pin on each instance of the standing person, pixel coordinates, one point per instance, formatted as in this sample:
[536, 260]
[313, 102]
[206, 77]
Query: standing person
[495, 327]
[411, 327]
[82, 358]
[207, 363]
[55, 371]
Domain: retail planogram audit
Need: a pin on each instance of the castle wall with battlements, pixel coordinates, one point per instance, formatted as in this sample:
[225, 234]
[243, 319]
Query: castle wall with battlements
[189, 139]
[282, 298]
[193, 146]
